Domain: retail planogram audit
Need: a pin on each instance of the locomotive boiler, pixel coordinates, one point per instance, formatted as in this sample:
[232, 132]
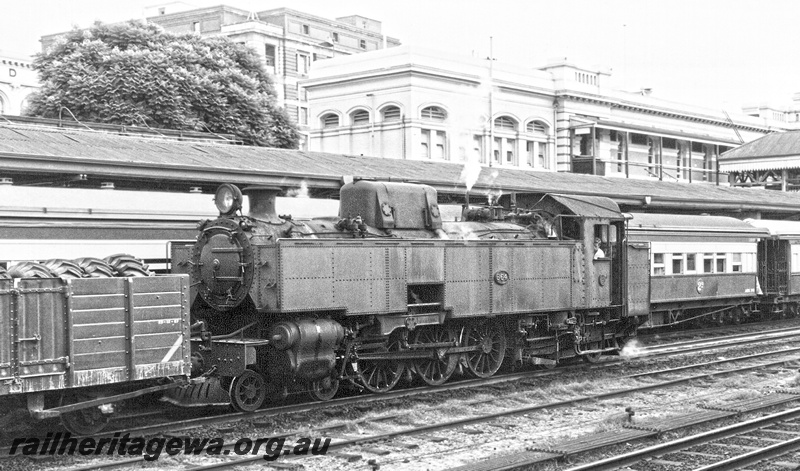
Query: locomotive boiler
[387, 290]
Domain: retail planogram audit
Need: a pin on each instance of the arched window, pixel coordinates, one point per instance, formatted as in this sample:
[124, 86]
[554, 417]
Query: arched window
[360, 117]
[535, 127]
[391, 113]
[330, 120]
[433, 113]
[505, 123]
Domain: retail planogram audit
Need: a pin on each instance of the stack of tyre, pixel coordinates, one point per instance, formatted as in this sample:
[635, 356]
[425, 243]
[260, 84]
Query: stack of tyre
[118, 265]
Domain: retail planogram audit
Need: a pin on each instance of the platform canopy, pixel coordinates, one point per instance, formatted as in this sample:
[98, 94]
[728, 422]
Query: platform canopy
[776, 151]
[39, 155]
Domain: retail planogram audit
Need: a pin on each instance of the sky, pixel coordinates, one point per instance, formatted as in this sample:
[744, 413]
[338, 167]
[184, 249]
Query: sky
[710, 53]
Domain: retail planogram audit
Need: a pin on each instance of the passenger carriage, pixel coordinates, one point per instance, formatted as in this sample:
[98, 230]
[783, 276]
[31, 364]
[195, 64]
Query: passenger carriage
[687, 267]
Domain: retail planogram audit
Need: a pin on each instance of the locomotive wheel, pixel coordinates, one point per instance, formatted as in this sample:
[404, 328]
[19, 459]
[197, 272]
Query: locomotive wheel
[491, 343]
[438, 368]
[323, 389]
[89, 421]
[380, 376]
[592, 357]
[248, 391]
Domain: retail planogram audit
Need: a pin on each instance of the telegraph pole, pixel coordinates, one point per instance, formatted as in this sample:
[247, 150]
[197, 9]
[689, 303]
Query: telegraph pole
[491, 103]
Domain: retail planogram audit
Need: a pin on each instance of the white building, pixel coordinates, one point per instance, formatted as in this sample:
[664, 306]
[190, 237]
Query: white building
[411, 103]
[17, 81]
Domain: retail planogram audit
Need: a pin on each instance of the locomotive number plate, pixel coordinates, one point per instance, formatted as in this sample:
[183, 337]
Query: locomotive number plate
[501, 277]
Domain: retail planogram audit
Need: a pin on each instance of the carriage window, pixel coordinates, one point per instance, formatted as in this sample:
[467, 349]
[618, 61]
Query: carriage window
[736, 264]
[677, 263]
[658, 264]
[721, 263]
[708, 263]
[690, 266]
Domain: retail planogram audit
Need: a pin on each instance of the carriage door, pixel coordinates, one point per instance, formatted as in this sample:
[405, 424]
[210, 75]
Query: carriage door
[602, 252]
[773, 272]
[638, 278]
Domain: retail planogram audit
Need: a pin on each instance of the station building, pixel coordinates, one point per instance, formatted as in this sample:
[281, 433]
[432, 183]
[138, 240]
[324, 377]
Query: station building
[420, 104]
[17, 81]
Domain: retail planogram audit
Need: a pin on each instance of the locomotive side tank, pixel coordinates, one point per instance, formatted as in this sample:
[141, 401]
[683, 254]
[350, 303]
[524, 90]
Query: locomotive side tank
[387, 290]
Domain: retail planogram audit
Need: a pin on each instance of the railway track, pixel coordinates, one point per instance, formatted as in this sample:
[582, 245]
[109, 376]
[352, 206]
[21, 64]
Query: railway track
[684, 347]
[717, 449]
[455, 424]
[484, 419]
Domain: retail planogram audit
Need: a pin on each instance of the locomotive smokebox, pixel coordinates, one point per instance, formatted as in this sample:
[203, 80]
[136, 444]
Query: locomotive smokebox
[262, 203]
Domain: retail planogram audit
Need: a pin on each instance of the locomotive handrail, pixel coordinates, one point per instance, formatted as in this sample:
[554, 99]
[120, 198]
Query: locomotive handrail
[234, 333]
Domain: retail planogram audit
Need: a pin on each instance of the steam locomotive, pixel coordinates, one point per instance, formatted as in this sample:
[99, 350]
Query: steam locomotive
[262, 305]
[387, 290]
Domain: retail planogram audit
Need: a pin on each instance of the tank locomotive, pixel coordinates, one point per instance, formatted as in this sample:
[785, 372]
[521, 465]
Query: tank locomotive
[387, 290]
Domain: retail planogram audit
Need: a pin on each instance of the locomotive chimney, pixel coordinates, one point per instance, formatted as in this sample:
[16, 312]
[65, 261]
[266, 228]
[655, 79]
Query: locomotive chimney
[262, 202]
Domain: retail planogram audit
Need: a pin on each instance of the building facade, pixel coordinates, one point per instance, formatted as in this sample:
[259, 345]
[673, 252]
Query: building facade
[412, 103]
[289, 42]
[17, 81]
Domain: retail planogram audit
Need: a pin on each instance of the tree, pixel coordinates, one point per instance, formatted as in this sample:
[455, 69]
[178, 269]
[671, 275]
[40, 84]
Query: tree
[138, 74]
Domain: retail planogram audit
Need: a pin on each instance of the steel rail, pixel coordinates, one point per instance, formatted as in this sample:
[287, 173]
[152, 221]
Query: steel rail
[755, 456]
[627, 459]
[467, 383]
[488, 417]
[422, 390]
[735, 340]
[462, 422]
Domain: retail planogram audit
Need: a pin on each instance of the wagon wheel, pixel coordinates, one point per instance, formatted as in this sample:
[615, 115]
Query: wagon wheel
[491, 343]
[441, 365]
[323, 389]
[779, 311]
[248, 391]
[737, 315]
[88, 421]
[717, 318]
[380, 376]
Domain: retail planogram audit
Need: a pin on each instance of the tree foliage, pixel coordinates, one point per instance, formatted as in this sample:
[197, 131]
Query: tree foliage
[137, 74]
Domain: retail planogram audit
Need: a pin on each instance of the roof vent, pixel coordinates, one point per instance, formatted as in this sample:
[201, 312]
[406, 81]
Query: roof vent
[6, 181]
